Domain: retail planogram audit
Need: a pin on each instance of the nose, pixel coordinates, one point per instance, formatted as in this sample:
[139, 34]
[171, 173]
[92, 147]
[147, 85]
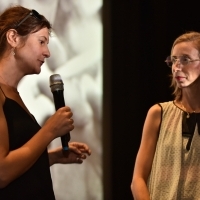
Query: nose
[176, 66]
[46, 53]
[177, 61]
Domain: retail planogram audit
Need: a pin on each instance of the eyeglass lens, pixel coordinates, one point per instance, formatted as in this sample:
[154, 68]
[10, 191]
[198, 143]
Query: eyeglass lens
[171, 60]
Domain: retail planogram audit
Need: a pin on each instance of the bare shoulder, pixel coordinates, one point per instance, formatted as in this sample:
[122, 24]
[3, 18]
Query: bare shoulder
[153, 120]
[155, 111]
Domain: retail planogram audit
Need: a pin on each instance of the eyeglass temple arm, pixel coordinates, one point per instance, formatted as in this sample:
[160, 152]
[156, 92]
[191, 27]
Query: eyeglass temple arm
[23, 20]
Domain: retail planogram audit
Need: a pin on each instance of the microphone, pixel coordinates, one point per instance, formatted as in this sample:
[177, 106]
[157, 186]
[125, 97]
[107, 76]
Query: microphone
[57, 88]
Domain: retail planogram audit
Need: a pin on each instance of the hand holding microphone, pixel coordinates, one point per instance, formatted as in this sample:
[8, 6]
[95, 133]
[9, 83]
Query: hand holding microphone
[56, 85]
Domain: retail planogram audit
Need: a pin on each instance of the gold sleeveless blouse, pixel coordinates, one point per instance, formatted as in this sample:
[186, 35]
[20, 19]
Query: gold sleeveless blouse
[175, 173]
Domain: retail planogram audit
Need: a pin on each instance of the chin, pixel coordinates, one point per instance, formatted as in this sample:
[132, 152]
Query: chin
[187, 85]
[183, 85]
[37, 71]
[34, 72]
[180, 85]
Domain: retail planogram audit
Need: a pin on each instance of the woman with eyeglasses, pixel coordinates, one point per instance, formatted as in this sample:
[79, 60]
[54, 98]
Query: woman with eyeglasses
[168, 161]
[24, 159]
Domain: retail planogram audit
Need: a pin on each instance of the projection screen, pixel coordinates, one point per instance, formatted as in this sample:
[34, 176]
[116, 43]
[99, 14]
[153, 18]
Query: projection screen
[76, 54]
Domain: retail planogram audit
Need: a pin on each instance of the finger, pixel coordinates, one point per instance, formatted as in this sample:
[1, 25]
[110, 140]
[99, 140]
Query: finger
[75, 150]
[82, 147]
[87, 151]
[65, 108]
[71, 120]
[79, 160]
[83, 156]
[79, 144]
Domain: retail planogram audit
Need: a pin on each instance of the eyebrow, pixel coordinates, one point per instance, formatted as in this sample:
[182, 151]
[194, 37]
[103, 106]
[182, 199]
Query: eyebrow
[45, 38]
[186, 55]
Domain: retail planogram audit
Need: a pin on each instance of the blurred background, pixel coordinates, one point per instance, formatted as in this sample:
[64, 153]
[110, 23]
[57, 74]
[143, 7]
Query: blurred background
[128, 76]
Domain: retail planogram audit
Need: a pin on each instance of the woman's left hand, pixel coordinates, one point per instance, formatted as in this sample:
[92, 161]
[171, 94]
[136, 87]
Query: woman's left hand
[76, 154]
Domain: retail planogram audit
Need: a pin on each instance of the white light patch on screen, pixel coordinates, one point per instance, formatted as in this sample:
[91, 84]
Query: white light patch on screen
[76, 54]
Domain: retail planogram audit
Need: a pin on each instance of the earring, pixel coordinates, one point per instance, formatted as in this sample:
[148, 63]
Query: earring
[13, 51]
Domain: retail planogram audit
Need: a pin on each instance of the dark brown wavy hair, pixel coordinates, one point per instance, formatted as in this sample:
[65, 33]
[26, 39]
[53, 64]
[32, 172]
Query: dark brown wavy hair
[11, 17]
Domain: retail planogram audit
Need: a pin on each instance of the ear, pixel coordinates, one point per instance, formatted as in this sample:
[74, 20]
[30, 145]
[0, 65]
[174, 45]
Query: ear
[12, 37]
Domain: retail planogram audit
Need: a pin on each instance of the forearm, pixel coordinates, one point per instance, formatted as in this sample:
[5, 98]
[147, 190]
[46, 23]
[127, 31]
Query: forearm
[18, 161]
[139, 189]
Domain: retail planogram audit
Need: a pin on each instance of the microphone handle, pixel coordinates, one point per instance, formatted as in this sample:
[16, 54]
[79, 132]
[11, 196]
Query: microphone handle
[60, 102]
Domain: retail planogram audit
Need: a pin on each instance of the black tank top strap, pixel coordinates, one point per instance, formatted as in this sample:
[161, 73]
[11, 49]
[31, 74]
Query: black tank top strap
[2, 91]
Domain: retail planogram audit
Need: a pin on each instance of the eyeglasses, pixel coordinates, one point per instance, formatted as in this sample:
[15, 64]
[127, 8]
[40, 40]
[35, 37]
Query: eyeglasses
[183, 60]
[33, 13]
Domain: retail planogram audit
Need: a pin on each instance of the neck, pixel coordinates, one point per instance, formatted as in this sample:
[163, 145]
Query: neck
[191, 99]
[190, 96]
[8, 74]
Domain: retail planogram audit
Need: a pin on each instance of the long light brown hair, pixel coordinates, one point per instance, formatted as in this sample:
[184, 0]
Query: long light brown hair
[187, 37]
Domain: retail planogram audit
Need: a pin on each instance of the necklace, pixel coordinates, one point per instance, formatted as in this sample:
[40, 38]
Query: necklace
[188, 114]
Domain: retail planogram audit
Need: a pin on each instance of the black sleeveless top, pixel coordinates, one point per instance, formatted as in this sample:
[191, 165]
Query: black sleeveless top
[36, 183]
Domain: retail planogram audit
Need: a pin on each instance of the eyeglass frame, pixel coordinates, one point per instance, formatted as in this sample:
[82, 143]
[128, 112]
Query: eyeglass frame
[181, 62]
[33, 13]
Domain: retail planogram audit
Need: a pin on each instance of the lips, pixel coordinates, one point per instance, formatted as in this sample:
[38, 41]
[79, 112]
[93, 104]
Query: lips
[180, 77]
[41, 62]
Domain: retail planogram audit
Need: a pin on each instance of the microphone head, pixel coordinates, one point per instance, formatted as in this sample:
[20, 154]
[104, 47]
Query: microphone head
[56, 82]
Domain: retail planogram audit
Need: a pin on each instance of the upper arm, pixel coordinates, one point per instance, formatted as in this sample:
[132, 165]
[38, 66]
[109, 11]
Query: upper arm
[148, 143]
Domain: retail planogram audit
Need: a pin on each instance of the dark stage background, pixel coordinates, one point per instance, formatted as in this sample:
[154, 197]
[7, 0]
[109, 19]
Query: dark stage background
[137, 38]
